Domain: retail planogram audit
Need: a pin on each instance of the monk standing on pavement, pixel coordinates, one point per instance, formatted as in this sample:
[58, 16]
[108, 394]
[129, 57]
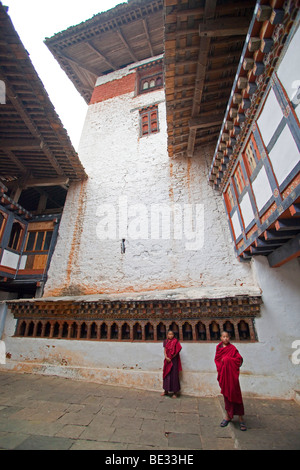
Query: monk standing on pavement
[228, 362]
[172, 365]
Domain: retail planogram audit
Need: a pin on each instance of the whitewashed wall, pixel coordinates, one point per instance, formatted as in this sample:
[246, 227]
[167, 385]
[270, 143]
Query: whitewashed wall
[120, 164]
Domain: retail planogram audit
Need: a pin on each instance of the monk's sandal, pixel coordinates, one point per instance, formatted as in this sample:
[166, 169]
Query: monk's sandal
[225, 423]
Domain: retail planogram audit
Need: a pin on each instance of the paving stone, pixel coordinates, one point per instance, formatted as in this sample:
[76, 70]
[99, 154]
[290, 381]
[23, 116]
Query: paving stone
[9, 441]
[71, 431]
[98, 433]
[184, 441]
[82, 444]
[45, 443]
[80, 418]
[38, 412]
[125, 435]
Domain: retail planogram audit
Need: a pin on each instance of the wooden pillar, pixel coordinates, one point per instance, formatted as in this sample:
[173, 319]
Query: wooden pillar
[78, 330]
[88, 333]
[251, 330]
[236, 330]
[51, 329]
[18, 329]
[207, 331]
[130, 331]
[155, 331]
[180, 328]
[98, 331]
[60, 330]
[109, 330]
[194, 335]
[43, 329]
[35, 328]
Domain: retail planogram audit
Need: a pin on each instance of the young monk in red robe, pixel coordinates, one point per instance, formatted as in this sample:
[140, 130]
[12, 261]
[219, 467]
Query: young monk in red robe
[172, 365]
[228, 362]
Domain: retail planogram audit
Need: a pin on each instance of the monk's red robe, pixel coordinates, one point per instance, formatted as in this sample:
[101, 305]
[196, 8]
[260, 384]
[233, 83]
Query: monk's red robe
[172, 347]
[228, 361]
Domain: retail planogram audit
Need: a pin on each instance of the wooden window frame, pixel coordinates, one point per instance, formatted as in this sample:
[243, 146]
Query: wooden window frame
[157, 78]
[148, 118]
[3, 225]
[252, 161]
[229, 199]
[239, 178]
[35, 241]
[17, 249]
[147, 74]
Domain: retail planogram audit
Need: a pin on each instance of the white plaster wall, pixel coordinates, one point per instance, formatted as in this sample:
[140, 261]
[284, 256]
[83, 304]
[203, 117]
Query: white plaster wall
[266, 125]
[289, 68]
[10, 259]
[267, 371]
[120, 164]
[286, 147]
[261, 188]
[247, 210]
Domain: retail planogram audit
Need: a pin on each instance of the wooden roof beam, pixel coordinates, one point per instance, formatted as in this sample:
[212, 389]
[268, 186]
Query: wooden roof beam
[148, 36]
[121, 36]
[18, 105]
[285, 253]
[20, 144]
[78, 64]
[202, 123]
[101, 55]
[204, 47]
[16, 161]
[232, 26]
[222, 9]
[39, 182]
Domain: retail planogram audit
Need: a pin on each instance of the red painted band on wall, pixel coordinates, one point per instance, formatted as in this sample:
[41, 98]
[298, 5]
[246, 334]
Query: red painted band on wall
[114, 88]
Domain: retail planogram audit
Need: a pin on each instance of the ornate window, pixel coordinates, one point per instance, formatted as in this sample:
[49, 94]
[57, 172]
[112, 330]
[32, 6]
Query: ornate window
[2, 224]
[239, 178]
[97, 330]
[191, 320]
[16, 236]
[252, 156]
[150, 77]
[148, 121]
[38, 241]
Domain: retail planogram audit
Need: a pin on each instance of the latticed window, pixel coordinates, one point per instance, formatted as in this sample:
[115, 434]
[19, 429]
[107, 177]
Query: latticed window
[2, 224]
[149, 77]
[38, 241]
[239, 179]
[230, 199]
[148, 121]
[251, 156]
[151, 83]
[16, 236]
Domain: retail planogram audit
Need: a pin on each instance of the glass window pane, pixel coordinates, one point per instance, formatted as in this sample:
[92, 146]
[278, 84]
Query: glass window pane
[39, 241]
[47, 241]
[15, 236]
[30, 241]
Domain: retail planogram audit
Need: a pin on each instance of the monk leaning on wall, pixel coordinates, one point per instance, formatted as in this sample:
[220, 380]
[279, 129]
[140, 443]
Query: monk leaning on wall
[228, 362]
